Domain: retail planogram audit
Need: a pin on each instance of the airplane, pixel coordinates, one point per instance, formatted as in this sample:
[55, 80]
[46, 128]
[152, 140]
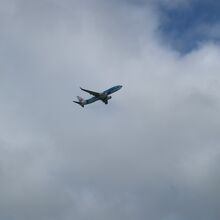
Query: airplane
[103, 96]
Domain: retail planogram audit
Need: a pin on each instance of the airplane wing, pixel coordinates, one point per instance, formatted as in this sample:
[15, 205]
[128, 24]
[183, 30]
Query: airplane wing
[96, 94]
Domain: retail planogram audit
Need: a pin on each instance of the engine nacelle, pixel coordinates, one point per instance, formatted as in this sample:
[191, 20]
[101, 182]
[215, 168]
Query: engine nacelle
[109, 97]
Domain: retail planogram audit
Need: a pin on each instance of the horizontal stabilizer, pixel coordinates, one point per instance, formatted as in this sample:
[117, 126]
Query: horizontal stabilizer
[79, 103]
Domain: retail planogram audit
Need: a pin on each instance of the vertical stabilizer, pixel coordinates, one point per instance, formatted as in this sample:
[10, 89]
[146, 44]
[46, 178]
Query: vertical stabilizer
[80, 99]
[80, 102]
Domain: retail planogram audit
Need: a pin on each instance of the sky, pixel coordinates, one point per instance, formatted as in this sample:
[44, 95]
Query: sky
[152, 152]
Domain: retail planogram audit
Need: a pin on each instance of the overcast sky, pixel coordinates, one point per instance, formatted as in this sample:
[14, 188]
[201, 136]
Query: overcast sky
[152, 153]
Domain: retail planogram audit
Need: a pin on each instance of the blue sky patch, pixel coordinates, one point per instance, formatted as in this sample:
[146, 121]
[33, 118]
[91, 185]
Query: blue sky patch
[185, 28]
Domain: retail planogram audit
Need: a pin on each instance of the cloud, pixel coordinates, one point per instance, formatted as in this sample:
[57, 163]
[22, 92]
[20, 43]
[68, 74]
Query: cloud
[151, 153]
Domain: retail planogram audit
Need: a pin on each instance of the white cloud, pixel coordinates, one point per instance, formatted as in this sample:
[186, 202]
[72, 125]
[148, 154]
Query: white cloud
[131, 159]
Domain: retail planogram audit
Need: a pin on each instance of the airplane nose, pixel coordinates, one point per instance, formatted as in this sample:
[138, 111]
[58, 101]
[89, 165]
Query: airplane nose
[120, 86]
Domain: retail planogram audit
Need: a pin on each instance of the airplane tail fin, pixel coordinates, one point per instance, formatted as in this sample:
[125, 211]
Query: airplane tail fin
[79, 98]
[80, 102]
